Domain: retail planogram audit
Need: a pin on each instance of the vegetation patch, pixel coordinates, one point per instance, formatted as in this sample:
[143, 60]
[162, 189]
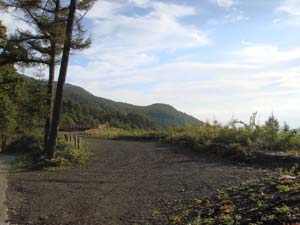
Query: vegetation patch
[241, 142]
[67, 156]
[273, 200]
[119, 133]
[269, 137]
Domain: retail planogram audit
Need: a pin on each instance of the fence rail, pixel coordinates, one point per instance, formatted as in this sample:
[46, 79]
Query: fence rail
[77, 127]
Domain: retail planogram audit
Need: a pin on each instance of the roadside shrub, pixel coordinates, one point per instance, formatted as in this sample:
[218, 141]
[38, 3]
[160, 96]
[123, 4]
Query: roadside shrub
[236, 140]
[25, 144]
[71, 154]
[67, 156]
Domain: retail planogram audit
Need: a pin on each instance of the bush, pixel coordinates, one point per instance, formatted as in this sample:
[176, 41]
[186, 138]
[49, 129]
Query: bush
[35, 158]
[235, 141]
[25, 144]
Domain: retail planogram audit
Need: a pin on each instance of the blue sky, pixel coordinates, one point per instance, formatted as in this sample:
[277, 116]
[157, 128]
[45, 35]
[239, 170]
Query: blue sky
[210, 58]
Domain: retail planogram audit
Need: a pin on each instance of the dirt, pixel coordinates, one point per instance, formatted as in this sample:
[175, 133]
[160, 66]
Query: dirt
[5, 162]
[124, 183]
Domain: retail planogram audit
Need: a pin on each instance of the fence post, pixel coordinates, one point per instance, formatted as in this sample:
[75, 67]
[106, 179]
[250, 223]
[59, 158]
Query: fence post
[66, 137]
[78, 142]
[74, 140]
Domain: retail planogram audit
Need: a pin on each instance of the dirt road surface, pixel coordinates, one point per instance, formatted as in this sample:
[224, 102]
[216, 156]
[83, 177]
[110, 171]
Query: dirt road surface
[124, 183]
[5, 162]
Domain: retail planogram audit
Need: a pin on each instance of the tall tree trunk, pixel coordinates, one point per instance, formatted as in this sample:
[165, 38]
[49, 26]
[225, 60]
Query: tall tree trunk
[52, 64]
[50, 93]
[61, 81]
[3, 144]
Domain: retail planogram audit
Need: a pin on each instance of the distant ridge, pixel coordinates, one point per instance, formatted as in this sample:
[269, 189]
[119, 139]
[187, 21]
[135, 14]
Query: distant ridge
[162, 115]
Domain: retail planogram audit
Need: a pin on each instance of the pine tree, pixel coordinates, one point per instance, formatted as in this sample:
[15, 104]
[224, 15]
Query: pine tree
[272, 127]
[43, 46]
[72, 22]
[286, 127]
[272, 124]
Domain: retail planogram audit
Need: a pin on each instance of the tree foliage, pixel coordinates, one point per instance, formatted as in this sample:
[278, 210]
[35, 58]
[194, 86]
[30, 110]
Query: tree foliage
[7, 115]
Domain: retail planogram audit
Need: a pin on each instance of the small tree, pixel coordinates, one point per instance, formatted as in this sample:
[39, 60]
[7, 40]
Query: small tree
[272, 129]
[272, 124]
[286, 127]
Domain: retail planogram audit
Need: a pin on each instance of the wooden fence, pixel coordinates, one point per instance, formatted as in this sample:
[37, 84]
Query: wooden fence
[75, 140]
[76, 127]
[81, 127]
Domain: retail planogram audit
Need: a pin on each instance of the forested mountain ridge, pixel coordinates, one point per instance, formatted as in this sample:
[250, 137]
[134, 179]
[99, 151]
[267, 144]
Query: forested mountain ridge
[82, 107]
[162, 115]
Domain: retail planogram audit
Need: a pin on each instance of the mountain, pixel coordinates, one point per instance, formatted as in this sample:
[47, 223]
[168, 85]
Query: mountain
[162, 115]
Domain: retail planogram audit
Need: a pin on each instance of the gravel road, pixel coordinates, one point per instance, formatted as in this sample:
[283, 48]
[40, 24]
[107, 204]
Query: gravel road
[124, 183]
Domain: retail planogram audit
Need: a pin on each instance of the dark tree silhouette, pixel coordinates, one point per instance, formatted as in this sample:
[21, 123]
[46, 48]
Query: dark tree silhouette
[71, 22]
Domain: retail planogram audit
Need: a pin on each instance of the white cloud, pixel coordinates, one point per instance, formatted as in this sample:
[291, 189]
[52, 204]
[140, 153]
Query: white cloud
[292, 9]
[140, 3]
[12, 22]
[290, 6]
[233, 15]
[225, 3]
[276, 21]
[266, 54]
[124, 41]
[104, 9]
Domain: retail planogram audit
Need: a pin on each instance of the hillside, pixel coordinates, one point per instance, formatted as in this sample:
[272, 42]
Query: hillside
[162, 115]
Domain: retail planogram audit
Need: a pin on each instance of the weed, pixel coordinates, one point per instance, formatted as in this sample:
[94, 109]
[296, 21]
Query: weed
[283, 209]
[283, 188]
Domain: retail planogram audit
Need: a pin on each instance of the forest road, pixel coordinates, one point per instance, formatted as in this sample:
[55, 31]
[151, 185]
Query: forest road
[5, 163]
[125, 182]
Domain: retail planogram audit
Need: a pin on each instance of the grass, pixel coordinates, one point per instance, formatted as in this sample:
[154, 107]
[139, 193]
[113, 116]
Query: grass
[67, 156]
[115, 133]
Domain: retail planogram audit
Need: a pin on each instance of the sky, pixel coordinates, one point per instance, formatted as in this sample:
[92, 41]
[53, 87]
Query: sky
[213, 59]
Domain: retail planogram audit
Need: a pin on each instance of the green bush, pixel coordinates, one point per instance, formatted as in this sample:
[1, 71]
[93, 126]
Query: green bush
[35, 158]
[237, 140]
[25, 144]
